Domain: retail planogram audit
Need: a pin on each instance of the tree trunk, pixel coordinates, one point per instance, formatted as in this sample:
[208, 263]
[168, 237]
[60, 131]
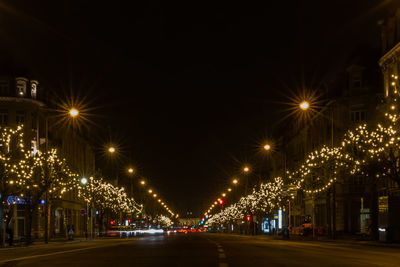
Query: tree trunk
[374, 213]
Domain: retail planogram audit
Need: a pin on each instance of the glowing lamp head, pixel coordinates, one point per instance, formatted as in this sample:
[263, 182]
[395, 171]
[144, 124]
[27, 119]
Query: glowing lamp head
[84, 181]
[223, 194]
[142, 182]
[111, 149]
[304, 105]
[235, 181]
[267, 147]
[246, 169]
[229, 190]
[150, 191]
[130, 170]
[73, 112]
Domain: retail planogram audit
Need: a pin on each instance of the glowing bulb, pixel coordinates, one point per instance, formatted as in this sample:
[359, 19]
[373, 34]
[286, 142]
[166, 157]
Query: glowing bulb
[73, 112]
[304, 105]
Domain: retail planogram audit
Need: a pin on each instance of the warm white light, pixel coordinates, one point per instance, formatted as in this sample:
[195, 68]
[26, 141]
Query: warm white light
[73, 112]
[304, 105]
[111, 149]
[267, 147]
[84, 181]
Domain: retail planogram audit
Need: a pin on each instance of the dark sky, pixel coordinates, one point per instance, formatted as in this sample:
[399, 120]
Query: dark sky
[189, 89]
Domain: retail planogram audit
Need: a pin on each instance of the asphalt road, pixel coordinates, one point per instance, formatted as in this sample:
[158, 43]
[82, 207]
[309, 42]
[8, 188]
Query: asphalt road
[201, 250]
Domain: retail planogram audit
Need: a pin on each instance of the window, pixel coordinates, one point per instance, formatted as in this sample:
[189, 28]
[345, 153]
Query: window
[21, 86]
[20, 117]
[34, 85]
[356, 81]
[3, 117]
[3, 88]
[358, 116]
[33, 116]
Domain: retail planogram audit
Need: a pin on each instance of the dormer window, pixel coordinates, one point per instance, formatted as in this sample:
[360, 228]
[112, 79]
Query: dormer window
[34, 85]
[21, 86]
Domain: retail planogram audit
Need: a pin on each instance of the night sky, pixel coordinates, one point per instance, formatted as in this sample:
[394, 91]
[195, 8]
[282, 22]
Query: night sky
[189, 90]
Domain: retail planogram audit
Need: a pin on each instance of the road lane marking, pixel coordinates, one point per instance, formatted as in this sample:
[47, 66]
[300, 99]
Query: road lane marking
[221, 254]
[56, 253]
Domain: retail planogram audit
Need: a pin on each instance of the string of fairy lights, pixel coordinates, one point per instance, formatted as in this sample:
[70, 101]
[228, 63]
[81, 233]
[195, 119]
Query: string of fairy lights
[361, 150]
[31, 174]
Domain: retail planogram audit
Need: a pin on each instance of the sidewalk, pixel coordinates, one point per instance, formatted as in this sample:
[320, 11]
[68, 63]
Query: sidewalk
[52, 242]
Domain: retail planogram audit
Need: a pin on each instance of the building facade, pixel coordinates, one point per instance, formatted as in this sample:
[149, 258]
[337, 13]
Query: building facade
[21, 103]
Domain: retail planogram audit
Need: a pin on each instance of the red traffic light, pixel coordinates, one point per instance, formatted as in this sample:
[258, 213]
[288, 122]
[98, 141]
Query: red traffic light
[220, 201]
[112, 222]
[248, 218]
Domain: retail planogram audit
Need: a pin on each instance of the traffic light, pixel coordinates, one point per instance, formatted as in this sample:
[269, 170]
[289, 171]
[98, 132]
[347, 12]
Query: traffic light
[220, 201]
[248, 218]
[112, 222]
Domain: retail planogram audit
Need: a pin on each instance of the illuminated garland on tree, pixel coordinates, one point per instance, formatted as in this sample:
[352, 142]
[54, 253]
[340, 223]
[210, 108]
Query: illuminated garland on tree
[363, 152]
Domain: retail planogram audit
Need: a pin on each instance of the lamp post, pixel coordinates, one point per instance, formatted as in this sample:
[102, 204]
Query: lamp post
[246, 170]
[84, 182]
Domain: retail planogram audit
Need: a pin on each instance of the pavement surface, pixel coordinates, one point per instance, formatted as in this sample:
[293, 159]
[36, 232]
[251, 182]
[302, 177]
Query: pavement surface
[201, 250]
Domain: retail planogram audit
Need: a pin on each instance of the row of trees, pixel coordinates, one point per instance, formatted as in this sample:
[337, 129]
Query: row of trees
[34, 175]
[371, 153]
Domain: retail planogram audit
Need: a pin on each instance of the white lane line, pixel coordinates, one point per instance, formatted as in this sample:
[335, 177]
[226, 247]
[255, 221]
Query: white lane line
[56, 253]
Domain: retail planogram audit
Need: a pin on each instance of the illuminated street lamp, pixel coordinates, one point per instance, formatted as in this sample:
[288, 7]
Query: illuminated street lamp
[155, 195]
[111, 149]
[223, 194]
[150, 191]
[229, 190]
[267, 147]
[143, 182]
[246, 169]
[84, 181]
[73, 112]
[235, 181]
[130, 170]
[304, 105]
